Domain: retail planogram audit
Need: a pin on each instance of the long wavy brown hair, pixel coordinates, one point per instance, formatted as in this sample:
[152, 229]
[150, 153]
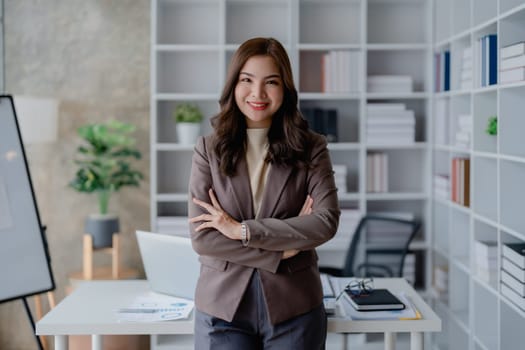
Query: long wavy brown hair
[288, 136]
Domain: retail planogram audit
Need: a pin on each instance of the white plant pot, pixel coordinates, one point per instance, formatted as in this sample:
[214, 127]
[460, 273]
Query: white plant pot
[187, 133]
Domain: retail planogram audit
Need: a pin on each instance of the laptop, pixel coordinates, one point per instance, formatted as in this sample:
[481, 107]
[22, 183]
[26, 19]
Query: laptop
[172, 267]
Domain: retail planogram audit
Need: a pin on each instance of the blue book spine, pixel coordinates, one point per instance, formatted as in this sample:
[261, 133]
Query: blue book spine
[442, 71]
[483, 62]
[447, 70]
[436, 72]
[493, 59]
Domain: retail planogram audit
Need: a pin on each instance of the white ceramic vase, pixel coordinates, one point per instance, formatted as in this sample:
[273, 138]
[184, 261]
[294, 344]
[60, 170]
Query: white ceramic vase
[187, 133]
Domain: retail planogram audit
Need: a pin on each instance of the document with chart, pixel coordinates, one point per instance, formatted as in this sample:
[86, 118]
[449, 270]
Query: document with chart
[154, 307]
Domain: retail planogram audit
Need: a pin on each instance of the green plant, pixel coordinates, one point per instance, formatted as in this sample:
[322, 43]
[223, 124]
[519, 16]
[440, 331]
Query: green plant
[492, 125]
[187, 113]
[104, 163]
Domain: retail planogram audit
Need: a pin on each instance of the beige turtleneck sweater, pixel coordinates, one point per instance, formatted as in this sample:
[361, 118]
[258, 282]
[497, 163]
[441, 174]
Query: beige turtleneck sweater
[256, 150]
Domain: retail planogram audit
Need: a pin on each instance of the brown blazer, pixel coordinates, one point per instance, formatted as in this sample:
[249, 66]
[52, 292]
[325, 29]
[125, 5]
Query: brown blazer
[291, 286]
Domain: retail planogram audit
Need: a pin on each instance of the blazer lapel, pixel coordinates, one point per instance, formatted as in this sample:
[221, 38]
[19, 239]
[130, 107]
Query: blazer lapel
[277, 178]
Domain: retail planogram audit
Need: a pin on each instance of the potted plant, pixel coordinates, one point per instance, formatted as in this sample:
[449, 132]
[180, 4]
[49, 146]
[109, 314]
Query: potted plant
[492, 125]
[188, 118]
[104, 168]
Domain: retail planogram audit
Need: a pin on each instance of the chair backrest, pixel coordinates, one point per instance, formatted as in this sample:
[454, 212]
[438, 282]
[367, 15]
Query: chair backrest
[379, 246]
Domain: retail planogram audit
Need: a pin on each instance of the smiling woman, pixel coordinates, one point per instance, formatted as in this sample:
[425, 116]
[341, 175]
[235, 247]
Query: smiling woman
[263, 197]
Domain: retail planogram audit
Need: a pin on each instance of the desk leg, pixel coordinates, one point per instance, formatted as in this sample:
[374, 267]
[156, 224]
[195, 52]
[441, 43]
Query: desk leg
[96, 342]
[390, 341]
[61, 342]
[416, 341]
[345, 341]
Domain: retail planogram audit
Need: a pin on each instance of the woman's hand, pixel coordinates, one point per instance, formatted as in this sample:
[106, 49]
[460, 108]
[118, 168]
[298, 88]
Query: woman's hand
[216, 218]
[305, 210]
[307, 206]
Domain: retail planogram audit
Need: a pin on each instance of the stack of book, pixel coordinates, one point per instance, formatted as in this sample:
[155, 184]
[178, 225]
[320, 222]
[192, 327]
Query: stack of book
[486, 260]
[442, 71]
[512, 65]
[322, 121]
[340, 173]
[340, 71]
[377, 172]
[401, 307]
[441, 186]
[464, 131]
[390, 83]
[347, 224]
[465, 74]
[513, 273]
[460, 181]
[487, 57]
[441, 122]
[389, 123]
[173, 225]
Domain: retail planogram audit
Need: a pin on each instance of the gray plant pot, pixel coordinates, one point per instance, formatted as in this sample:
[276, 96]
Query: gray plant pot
[101, 228]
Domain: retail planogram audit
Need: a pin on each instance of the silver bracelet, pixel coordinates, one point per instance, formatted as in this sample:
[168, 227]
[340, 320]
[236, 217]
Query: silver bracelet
[244, 234]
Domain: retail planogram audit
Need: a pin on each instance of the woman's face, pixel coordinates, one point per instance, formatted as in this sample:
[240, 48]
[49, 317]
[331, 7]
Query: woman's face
[259, 91]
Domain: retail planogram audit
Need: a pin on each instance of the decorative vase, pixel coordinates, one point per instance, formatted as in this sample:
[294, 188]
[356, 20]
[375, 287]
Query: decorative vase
[187, 133]
[102, 227]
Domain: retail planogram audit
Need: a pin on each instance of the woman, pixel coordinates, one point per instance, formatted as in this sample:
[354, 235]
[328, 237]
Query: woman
[263, 197]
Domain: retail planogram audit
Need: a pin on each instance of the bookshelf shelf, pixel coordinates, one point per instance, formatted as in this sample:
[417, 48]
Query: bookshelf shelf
[496, 165]
[396, 96]
[328, 96]
[326, 47]
[172, 197]
[396, 47]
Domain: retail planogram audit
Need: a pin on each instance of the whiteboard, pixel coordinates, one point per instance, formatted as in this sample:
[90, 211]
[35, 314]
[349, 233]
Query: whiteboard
[24, 265]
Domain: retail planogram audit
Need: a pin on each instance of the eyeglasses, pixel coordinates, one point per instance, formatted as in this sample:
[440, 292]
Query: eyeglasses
[358, 287]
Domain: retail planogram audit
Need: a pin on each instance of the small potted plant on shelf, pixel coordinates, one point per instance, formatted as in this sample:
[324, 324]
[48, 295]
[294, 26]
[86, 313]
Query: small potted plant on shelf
[104, 168]
[188, 118]
[492, 126]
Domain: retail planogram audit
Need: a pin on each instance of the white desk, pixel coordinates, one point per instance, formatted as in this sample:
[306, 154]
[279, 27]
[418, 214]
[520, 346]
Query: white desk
[90, 310]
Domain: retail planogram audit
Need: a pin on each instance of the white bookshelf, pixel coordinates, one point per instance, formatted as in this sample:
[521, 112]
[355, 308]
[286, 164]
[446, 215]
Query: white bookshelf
[192, 42]
[477, 314]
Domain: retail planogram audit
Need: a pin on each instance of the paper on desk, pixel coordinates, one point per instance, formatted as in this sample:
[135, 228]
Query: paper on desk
[408, 313]
[153, 307]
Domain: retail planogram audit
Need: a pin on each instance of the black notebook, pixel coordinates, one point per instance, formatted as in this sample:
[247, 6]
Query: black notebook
[378, 299]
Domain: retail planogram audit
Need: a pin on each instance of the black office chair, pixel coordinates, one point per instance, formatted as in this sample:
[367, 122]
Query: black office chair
[378, 248]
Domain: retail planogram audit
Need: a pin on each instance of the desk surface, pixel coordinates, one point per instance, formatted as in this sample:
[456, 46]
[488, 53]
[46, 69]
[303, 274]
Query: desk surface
[91, 309]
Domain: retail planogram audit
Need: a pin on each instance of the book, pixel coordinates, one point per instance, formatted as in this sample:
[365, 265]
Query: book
[512, 75]
[512, 50]
[330, 125]
[446, 71]
[408, 313]
[486, 249]
[512, 62]
[513, 283]
[515, 252]
[492, 48]
[513, 269]
[512, 295]
[376, 300]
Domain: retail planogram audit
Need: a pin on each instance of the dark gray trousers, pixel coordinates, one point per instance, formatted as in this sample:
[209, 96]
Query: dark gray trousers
[251, 328]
